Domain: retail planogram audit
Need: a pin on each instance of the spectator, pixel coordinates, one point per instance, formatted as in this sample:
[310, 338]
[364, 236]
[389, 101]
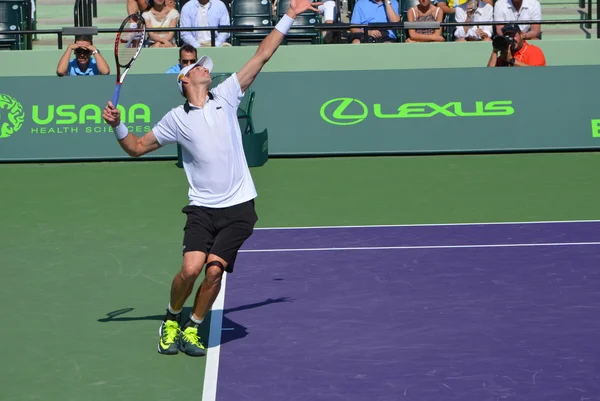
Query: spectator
[374, 11]
[517, 54]
[476, 11]
[200, 13]
[187, 55]
[425, 12]
[87, 61]
[161, 16]
[519, 10]
[449, 7]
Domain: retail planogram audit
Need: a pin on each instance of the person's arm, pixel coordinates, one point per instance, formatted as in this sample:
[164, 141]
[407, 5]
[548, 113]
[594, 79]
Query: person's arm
[534, 29]
[493, 61]
[62, 68]
[499, 15]
[134, 146]
[186, 20]
[101, 63]
[444, 6]
[223, 21]
[269, 45]
[391, 14]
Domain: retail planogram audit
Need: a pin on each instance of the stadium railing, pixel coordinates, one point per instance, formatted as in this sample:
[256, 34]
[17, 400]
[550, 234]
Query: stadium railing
[91, 30]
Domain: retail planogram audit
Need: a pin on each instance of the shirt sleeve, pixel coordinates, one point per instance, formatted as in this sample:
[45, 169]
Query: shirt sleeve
[536, 12]
[230, 90]
[224, 21]
[166, 129]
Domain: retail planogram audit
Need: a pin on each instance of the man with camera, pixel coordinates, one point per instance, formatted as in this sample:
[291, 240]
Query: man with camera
[511, 50]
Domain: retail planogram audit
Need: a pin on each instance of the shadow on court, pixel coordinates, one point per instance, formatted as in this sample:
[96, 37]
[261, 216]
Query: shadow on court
[231, 330]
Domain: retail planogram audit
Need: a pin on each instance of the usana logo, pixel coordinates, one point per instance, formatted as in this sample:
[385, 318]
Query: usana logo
[12, 115]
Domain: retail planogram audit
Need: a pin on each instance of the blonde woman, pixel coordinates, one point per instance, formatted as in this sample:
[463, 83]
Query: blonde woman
[161, 16]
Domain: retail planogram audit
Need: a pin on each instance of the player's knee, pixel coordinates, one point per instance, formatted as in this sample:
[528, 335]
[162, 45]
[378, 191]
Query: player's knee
[214, 272]
[190, 271]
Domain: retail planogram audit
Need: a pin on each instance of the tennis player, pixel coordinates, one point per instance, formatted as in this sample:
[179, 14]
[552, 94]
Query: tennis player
[221, 213]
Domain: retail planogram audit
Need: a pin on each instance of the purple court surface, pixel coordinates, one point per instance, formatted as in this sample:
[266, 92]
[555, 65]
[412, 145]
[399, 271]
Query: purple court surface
[421, 313]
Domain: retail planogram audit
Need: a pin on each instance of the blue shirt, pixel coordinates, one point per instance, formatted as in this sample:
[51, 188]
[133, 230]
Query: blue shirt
[174, 70]
[91, 70]
[367, 11]
[217, 15]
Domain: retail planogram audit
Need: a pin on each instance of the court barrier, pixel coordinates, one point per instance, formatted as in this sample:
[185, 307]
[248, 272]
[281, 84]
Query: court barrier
[323, 113]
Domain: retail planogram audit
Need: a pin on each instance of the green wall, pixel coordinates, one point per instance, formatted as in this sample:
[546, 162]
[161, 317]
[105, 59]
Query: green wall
[319, 58]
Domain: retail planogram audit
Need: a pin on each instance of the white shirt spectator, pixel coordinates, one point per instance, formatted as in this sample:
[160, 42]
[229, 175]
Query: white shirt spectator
[483, 13]
[531, 10]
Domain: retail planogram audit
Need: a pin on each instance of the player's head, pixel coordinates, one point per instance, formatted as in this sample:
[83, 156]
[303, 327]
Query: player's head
[195, 75]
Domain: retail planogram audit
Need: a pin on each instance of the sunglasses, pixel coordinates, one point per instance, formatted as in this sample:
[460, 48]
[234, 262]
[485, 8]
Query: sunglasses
[192, 61]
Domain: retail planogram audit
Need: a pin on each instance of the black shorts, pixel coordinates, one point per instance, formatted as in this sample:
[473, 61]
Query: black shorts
[219, 231]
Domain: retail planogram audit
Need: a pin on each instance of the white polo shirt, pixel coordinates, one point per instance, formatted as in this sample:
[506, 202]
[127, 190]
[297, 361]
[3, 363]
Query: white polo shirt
[530, 11]
[211, 147]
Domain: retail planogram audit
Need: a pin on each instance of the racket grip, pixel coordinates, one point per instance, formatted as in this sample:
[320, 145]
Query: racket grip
[115, 98]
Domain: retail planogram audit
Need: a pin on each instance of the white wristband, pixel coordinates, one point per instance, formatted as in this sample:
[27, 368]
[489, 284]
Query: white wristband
[284, 24]
[121, 131]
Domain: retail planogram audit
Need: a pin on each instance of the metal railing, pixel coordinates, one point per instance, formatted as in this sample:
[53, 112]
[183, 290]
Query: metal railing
[84, 11]
[91, 30]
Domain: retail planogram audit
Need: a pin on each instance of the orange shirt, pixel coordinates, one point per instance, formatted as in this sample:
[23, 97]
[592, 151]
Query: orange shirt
[528, 54]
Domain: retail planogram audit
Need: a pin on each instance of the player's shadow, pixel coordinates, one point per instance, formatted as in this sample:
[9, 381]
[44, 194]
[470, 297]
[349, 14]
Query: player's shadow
[231, 330]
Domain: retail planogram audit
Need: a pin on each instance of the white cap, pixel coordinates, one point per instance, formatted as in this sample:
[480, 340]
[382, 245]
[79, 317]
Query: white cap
[203, 61]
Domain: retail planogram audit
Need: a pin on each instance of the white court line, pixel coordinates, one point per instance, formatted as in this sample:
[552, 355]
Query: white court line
[211, 372]
[378, 248]
[433, 224]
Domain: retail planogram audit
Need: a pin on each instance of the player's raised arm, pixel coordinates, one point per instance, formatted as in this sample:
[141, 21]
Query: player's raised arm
[133, 145]
[270, 44]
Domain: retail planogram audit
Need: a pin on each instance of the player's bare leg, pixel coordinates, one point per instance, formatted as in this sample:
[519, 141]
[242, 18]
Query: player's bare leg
[205, 298]
[181, 288]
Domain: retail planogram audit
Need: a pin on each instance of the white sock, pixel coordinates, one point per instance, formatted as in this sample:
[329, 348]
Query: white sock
[171, 310]
[196, 321]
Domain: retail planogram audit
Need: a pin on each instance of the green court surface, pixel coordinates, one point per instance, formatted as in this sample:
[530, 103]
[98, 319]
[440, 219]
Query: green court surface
[81, 240]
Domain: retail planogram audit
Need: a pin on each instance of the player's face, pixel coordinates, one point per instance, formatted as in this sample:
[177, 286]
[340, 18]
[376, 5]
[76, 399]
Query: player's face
[199, 75]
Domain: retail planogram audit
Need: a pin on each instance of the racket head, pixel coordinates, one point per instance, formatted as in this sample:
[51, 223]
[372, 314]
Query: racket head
[130, 40]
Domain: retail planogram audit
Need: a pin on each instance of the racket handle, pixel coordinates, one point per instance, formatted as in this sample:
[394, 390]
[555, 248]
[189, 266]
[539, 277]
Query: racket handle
[115, 99]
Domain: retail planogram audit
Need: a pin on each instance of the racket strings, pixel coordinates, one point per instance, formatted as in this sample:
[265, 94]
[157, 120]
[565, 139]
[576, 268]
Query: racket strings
[130, 40]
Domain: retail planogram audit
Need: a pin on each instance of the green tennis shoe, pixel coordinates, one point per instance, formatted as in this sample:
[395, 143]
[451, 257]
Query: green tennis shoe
[169, 333]
[189, 342]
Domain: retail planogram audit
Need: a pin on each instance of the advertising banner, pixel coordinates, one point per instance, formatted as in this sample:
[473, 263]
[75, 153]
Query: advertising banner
[323, 113]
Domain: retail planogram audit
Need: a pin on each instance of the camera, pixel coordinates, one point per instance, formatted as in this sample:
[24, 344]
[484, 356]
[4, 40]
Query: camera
[501, 43]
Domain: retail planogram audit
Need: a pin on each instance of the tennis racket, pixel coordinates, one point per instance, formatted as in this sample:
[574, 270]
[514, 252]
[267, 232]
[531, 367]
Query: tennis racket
[128, 44]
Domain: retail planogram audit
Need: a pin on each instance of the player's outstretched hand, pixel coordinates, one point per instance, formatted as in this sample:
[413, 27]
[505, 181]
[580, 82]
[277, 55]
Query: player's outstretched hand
[111, 115]
[300, 6]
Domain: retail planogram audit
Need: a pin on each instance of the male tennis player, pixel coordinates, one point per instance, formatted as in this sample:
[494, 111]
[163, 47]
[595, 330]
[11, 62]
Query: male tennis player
[221, 214]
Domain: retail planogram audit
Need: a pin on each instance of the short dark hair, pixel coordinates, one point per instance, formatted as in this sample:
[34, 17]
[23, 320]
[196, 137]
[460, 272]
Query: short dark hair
[187, 48]
[87, 38]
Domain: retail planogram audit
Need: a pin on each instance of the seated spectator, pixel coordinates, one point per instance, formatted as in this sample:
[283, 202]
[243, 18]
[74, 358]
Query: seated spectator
[199, 13]
[449, 6]
[519, 54]
[373, 11]
[519, 10]
[476, 11]
[424, 12]
[87, 61]
[187, 55]
[161, 16]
